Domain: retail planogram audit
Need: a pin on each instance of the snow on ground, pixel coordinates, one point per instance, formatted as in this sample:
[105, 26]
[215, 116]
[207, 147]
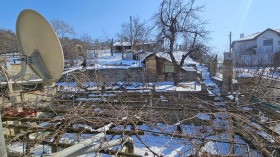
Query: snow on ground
[209, 147]
[213, 88]
[105, 60]
[171, 146]
[183, 86]
[269, 72]
[136, 87]
[160, 143]
[245, 75]
[203, 116]
[262, 133]
[247, 108]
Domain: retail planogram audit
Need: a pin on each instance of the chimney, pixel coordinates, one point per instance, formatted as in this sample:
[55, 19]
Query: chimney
[241, 35]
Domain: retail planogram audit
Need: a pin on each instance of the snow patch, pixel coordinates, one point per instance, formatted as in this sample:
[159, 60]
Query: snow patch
[245, 75]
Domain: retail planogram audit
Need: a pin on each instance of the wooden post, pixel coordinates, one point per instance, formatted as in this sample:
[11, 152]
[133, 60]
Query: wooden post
[55, 146]
[129, 146]
[231, 135]
[27, 147]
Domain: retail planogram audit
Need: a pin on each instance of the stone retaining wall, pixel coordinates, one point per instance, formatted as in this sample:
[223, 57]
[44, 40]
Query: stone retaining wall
[115, 75]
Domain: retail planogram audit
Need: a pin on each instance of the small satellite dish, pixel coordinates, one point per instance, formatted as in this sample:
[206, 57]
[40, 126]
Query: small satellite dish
[39, 45]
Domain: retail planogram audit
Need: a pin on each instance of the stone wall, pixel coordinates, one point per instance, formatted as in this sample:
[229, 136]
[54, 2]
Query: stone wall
[115, 75]
[127, 75]
[227, 73]
[213, 67]
[191, 76]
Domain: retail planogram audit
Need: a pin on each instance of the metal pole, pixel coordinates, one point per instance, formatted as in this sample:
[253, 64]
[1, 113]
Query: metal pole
[3, 149]
[77, 147]
[98, 147]
[130, 32]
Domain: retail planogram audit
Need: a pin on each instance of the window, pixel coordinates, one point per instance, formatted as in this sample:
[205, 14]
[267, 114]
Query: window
[268, 42]
[278, 42]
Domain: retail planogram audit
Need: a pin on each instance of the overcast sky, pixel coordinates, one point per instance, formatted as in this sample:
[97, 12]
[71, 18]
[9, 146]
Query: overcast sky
[96, 17]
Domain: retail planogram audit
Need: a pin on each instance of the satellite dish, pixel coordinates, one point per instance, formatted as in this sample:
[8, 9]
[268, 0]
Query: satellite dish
[40, 45]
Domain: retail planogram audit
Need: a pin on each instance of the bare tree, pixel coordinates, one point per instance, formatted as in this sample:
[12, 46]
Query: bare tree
[135, 32]
[176, 19]
[8, 41]
[62, 28]
[87, 41]
[69, 47]
[97, 44]
[275, 60]
[110, 42]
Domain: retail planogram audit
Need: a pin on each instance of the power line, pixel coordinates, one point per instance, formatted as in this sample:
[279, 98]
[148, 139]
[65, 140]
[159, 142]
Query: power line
[276, 24]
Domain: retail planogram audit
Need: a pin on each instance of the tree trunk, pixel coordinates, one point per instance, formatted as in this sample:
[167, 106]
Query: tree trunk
[176, 75]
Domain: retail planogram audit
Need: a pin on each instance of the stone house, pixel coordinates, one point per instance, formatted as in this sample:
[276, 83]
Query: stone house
[160, 68]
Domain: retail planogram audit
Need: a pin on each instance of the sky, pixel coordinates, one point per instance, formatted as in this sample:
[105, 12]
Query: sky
[103, 18]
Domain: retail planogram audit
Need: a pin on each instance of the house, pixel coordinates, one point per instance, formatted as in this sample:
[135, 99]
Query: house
[158, 67]
[141, 55]
[122, 46]
[256, 49]
[90, 54]
[145, 46]
[131, 55]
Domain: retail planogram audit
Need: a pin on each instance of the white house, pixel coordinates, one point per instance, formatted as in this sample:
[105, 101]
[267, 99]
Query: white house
[257, 48]
[90, 54]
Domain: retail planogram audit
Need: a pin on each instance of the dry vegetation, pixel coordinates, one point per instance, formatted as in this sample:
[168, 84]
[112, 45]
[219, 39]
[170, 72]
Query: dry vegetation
[126, 112]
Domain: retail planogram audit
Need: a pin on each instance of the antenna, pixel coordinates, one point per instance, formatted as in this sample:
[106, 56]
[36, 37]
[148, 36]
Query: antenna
[40, 47]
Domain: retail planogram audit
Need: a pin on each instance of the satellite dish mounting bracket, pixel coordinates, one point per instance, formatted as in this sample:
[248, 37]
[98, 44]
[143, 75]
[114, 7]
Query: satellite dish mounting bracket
[36, 60]
[43, 55]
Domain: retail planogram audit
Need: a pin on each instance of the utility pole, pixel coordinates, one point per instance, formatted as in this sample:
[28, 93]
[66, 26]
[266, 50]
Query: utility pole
[111, 45]
[230, 42]
[131, 32]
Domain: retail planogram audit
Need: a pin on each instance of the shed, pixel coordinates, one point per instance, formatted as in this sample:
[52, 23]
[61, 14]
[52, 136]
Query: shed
[158, 68]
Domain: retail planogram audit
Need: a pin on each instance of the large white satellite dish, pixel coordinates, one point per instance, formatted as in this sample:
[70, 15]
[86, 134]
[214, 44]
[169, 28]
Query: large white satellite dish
[39, 45]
